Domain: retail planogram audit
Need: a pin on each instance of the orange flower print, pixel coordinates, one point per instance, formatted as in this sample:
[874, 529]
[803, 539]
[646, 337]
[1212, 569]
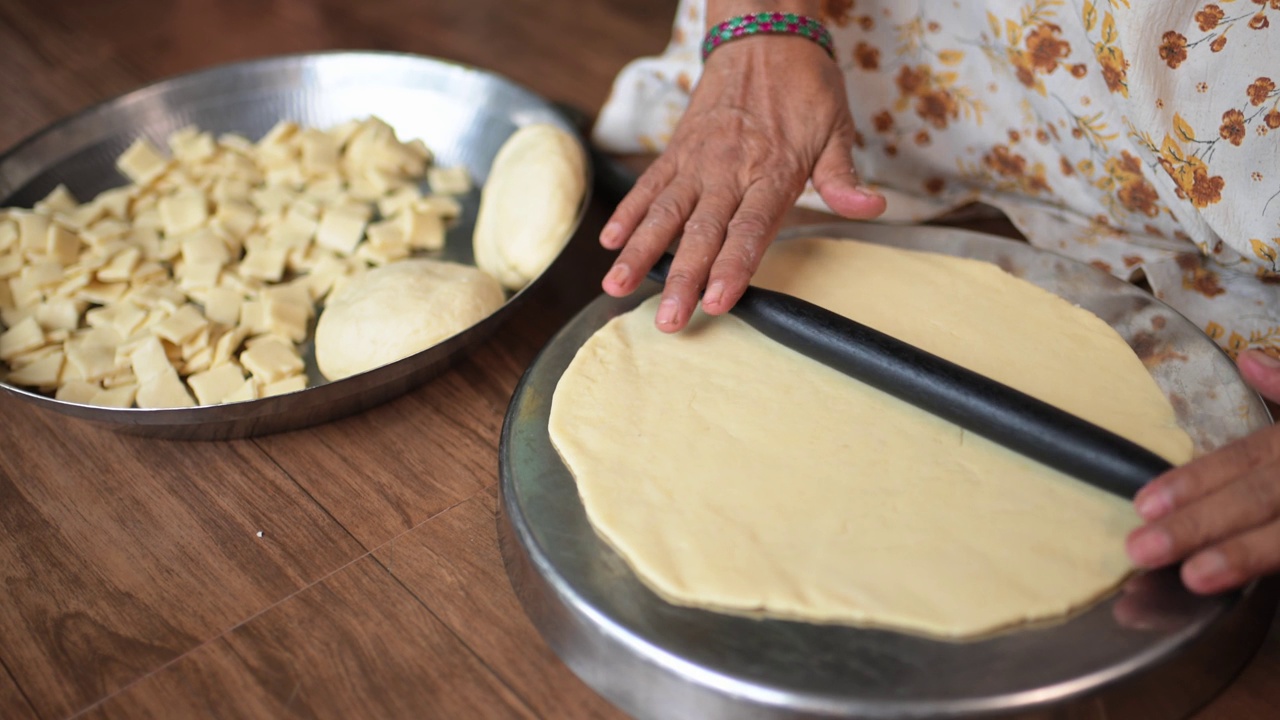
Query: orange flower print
[1005, 162]
[1135, 194]
[1114, 71]
[1259, 22]
[867, 57]
[1205, 189]
[836, 11]
[1217, 45]
[883, 121]
[1046, 47]
[922, 138]
[934, 103]
[1173, 49]
[1260, 90]
[1138, 196]
[934, 185]
[1209, 17]
[1273, 119]
[1232, 129]
[1079, 70]
[937, 108]
[1066, 167]
[1024, 73]
[1198, 278]
[910, 79]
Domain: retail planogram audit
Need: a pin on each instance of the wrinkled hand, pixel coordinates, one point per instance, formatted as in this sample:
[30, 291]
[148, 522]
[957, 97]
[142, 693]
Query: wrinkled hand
[768, 114]
[1220, 514]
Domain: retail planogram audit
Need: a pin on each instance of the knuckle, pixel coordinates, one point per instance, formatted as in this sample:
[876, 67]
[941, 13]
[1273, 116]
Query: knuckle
[663, 214]
[682, 279]
[748, 225]
[704, 227]
[736, 264]
[649, 184]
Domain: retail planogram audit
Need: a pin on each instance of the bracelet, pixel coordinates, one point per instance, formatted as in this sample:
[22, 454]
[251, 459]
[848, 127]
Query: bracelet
[774, 23]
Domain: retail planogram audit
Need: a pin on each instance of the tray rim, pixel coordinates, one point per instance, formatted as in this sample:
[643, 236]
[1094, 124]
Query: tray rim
[536, 583]
[309, 406]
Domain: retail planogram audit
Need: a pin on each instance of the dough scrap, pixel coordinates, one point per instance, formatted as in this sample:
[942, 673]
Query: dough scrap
[529, 203]
[394, 311]
[735, 474]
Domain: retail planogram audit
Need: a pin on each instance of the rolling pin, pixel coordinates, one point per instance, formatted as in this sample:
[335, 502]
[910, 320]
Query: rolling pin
[968, 399]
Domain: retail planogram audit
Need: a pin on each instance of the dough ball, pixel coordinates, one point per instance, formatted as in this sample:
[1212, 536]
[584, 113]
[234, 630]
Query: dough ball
[529, 203]
[400, 309]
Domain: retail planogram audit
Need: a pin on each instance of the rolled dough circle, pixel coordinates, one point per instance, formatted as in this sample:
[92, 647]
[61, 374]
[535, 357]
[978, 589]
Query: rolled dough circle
[735, 474]
[400, 309]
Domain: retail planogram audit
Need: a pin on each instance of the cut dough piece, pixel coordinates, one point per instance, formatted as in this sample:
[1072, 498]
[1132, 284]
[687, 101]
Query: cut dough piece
[529, 203]
[746, 477]
[398, 310]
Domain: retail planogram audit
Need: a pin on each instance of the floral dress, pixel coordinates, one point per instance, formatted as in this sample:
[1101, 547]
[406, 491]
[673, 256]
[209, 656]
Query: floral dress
[1142, 138]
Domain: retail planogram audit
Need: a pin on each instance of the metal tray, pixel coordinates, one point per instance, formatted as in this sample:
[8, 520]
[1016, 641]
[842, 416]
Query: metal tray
[463, 113]
[1151, 650]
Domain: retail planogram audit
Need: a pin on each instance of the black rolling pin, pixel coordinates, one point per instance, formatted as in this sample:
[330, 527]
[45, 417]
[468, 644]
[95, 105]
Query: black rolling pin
[975, 402]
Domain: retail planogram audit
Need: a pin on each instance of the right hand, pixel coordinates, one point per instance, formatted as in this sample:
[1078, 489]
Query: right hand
[769, 113]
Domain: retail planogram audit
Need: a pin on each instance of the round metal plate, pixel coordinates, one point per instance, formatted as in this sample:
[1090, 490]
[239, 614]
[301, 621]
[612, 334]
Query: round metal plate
[1150, 650]
[463, 114]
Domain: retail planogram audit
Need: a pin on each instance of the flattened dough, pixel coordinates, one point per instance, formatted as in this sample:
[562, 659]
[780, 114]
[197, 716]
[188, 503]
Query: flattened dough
[735, 474]
[529, 203]
[400, 309]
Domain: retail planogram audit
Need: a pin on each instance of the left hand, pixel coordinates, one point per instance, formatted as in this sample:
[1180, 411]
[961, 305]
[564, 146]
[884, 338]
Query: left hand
[1218, 515]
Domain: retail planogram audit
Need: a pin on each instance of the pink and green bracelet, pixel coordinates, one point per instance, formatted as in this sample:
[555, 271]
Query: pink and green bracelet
[767, 23]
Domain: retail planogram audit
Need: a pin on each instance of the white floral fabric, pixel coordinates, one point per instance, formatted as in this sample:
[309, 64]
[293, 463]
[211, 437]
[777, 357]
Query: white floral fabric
[1143, 137]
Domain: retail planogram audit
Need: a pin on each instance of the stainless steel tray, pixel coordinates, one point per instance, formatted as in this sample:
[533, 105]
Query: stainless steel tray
[463, 113]
[1150, 651]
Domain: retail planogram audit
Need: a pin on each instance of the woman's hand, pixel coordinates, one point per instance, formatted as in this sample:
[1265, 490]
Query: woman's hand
[769, 113]
[1220, 513]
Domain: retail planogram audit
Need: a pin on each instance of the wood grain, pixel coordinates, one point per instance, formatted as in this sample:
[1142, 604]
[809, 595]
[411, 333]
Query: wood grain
[452, 564]
[13, 704]
[70, 53]
[356, 645]
[119, 554]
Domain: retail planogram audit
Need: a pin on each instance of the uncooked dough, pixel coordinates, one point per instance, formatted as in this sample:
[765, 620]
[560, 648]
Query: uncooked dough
[529, 203]
[400, 309]
[735, 474]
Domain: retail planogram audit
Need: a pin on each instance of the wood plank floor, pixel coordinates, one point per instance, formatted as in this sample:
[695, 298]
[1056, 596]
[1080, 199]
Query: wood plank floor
[133, 580]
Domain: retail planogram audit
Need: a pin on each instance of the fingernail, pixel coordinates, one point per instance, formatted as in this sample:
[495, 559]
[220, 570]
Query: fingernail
[867, 192]
[667, 312]
[713, 295]
[1153, 504]
[1264, 359]
[618, 275]
[1150, 547]
[610, 234]
[1204, 568]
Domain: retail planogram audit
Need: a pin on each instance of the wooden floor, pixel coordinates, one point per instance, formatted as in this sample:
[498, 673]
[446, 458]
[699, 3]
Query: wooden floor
[133, 580]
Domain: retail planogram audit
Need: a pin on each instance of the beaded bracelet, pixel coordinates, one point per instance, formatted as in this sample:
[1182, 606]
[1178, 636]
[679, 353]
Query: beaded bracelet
[774, 23]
